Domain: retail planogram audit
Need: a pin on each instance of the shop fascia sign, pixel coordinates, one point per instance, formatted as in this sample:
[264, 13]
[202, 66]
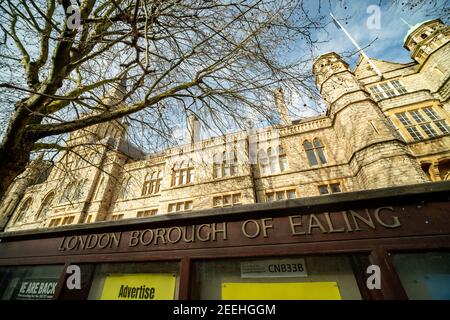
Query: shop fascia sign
[298, 225]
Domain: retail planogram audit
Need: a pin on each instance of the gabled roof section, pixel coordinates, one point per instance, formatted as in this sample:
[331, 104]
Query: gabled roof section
[363, 68]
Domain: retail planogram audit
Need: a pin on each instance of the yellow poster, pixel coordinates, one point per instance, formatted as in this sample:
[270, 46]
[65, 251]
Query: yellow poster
[281, 291]
[139, 286]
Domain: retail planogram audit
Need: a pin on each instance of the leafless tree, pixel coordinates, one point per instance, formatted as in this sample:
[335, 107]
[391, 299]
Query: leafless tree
[218, 59]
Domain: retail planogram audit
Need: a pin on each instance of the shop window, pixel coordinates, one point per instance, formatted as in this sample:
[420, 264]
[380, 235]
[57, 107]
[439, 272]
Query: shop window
[430, 277]
[280, 278]
[135, 281]
[18, 283]
[330, 188]
[147, 213]
[227, 200]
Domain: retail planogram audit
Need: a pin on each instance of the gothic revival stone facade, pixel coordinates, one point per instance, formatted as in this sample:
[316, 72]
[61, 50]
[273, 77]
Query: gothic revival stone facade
[378, 132]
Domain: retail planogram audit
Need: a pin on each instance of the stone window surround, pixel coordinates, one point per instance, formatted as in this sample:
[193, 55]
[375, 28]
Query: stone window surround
[436, 107]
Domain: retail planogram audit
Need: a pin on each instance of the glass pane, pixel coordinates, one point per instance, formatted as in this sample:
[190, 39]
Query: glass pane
[323, 189]
[227, 200]
[415, 134]
[335, 187]
[428, 130]
[280, 195]
[291, 194]
[326, 277]
[311, 157]
[321, 156]
[404, 119]
[135, 281]
[283, 163]
[188, 205]
[431, 113]
[417, 116]
[29, 282]
[217, 201]
[442, 125]
[270, 197]
[429, 279]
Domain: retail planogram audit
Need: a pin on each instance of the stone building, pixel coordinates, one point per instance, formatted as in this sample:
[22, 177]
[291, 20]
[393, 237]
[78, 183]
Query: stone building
[378, 132]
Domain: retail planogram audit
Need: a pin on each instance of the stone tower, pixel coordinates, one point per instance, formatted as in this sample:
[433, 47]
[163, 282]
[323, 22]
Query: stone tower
[378, 157]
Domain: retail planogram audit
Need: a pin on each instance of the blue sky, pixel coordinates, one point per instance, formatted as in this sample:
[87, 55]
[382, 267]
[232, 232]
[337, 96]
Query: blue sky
[388, 39]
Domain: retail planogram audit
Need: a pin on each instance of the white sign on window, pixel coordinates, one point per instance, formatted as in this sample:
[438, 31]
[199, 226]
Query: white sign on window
[274, 268]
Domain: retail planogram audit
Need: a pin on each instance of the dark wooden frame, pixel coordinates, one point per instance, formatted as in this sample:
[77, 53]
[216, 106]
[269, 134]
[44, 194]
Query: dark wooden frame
[375, 251]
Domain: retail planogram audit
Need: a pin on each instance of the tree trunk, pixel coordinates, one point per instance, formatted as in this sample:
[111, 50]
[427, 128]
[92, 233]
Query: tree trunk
[15, 151]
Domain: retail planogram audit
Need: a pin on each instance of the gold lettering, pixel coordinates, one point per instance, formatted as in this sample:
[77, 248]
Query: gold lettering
[191, 239]
[115, 239]
[160, 232]
[89, 241]
[170, 232]
[330, 224]
[100, 241]
[61, 245]
[81, 242]
[142, 237]
[133, 239]
[317, 224]
[396, 223]
[69, 246]
[349, 227]
[244, 229]
[199, 232]
[296, 224]
[223, 231]
[266, 226]
[367, 221]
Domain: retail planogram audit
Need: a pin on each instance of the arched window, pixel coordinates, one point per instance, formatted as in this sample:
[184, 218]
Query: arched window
[423, 35]
[273, 160]
[46, 205]
[68, 192]
[125, 188]
[282, 159]
[191, 172]
[225, 164]
[320, 150]
[175, 174]
[263, 162]
[80, 190]
[315, 152]
[217, 166]
[147, 186]
[23, 210]
[158, 181]
[99, 188]
[182, 174]
[152, 183]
